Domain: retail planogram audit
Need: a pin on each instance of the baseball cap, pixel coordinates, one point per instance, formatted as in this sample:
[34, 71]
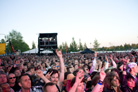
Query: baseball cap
[131, 65]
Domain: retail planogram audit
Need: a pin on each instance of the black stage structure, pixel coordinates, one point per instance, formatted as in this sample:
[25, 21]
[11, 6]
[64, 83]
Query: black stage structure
[47, 41]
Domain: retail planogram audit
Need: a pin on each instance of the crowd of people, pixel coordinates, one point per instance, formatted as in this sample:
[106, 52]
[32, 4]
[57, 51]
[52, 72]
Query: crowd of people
[72, 72]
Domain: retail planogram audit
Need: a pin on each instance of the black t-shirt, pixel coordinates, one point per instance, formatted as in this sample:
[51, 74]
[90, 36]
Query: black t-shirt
[16, 87]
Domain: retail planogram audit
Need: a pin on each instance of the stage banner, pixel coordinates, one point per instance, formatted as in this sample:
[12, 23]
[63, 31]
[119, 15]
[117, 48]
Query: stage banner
[2, 48]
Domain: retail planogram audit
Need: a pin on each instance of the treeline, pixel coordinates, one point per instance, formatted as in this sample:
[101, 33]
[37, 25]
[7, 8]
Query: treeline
[17, 41]
[74, 47]
[119, 48]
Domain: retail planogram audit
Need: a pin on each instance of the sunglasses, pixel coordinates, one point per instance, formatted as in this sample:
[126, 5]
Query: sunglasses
[12, 78]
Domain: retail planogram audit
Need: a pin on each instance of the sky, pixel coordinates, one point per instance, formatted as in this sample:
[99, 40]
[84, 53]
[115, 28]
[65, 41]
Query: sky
[111, 22]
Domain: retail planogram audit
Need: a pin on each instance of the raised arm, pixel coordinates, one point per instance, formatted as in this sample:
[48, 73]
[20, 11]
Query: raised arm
[123, 78]
[93, 63]
[113, 62]
[98, 86]
[59, 54]
[41, 75]
[78, 80]
[107, 63]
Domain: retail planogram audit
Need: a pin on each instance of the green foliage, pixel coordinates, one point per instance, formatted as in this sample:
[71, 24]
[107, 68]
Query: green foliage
[60, 47]
[119, 48]
[18, 44]
[85, 46]
[17, 41]
[80, 46]
[14, 36]
[33, 45]
[64, 47]
[73, 45]
[96, 45]
[2, 41]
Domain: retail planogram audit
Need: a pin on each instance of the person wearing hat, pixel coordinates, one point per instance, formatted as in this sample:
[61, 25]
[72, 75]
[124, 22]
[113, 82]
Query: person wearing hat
[132, 70]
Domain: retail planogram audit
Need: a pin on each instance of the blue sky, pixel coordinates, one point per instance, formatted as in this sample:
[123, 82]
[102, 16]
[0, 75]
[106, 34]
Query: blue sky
[111, 22]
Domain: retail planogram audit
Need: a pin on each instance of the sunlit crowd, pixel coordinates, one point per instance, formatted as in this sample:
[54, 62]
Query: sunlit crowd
[71, 72]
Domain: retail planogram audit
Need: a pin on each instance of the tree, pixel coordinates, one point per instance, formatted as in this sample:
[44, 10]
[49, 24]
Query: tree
[2, 41]
[14, 36]
[17, 41]
[66, 47]
[96, 44]
[60, 47]
[85, 46]
[127, 46]
[63, 47]
[80, 45]
[33, 45]
[73, 45]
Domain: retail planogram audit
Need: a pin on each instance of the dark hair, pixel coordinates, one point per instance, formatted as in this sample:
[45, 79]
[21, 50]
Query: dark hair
[85, 66]
[49, 70]
[75, 72]
[54, 71]
[2, 72]
[100, 58]
[19, 79]
[95, 79]
[13, 69]
[93, 74]
[47, 84]
[129, 77]
[89, 84]
[32, 67]
[16, 69]
[66, 74]
[68, 68]
[73, 81]
[133, 53]
[116, 70]
[108, 79]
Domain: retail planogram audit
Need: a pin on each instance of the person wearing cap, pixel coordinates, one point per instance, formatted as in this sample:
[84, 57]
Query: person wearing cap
[132, 71]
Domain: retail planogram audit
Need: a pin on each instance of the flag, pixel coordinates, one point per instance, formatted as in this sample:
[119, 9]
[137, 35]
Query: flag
[11, 47]
[2, 48]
